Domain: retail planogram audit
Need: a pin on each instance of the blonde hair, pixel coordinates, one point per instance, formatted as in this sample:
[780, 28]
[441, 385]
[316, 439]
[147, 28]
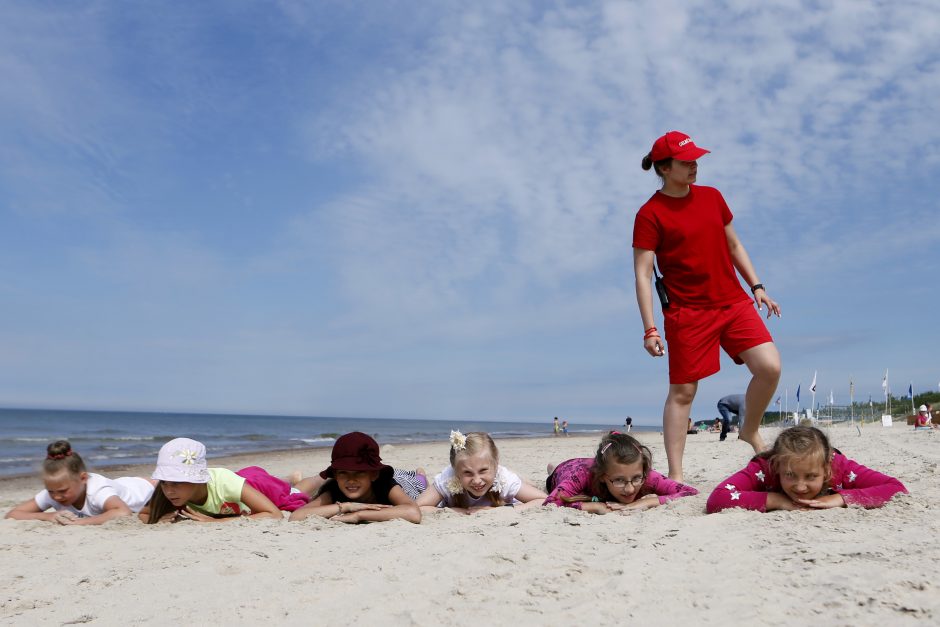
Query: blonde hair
[618, 448]
[798, 443]
[476, 442]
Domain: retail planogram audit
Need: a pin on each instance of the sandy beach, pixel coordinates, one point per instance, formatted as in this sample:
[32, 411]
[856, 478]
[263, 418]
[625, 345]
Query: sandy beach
[666, 566]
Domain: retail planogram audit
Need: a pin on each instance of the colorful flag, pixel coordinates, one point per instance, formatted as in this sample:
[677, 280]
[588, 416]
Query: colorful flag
[798, 392]
[812, 388]
[910, 390]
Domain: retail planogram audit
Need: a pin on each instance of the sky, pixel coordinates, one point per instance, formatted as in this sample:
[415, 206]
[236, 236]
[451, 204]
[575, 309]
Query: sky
[425, 210]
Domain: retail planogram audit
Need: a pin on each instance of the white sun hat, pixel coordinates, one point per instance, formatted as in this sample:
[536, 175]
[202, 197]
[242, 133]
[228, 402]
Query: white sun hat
[182, 460]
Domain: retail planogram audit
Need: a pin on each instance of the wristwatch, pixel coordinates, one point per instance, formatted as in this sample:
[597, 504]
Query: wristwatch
[757, 286]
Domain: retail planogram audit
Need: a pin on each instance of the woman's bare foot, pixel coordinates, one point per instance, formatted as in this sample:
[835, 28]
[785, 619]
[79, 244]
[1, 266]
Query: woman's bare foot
[754, 439]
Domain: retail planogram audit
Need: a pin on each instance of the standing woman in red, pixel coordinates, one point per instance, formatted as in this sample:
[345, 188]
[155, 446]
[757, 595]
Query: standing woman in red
[686, 229]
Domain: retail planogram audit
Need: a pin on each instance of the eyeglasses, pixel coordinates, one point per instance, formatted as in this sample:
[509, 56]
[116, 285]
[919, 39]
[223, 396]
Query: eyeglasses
[620, 483]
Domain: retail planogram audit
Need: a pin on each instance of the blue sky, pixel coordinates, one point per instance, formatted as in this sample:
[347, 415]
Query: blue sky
[424, 210]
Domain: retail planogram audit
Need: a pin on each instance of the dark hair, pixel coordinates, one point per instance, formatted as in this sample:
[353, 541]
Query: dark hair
[657, 166]
[618, 448]
[381, 487]
[159, 505]
[59, 457]
[799, 443]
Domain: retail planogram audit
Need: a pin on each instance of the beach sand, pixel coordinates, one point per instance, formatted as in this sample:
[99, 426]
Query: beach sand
[666, 566]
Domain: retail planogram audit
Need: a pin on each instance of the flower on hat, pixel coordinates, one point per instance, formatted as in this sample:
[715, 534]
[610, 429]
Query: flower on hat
[458, 441]
[188, 456]
[454, 486]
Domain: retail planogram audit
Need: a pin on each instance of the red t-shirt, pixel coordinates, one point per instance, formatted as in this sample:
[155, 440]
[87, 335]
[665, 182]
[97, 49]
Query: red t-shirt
[688, 236]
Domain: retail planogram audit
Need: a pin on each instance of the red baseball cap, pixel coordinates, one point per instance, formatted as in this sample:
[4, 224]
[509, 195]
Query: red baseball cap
[676, 145]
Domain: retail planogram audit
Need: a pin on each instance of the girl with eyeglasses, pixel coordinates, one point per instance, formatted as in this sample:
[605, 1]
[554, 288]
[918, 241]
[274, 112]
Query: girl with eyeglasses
[687, 230]
[620, 477]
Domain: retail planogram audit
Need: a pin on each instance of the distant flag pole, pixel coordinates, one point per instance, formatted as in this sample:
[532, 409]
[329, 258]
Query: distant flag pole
[910, 392]
[884, 386]
[831, 401]
[786, 402]
[812, 389]
[798, 398]
[852, 399]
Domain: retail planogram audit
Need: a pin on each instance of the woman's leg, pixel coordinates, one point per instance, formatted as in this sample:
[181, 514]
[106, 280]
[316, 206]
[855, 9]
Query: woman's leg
[675, 424]
[764, 363]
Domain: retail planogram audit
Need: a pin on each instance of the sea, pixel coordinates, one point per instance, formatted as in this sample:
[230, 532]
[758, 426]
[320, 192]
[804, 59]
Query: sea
[112, 438]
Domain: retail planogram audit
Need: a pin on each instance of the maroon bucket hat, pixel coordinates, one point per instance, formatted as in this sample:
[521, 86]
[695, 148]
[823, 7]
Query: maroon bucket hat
[354, 451]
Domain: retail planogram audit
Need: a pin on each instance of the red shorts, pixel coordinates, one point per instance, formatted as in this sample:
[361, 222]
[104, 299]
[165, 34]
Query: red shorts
[694, 335]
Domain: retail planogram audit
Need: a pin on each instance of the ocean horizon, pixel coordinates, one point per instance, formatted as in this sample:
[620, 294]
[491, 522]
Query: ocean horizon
[106, 438]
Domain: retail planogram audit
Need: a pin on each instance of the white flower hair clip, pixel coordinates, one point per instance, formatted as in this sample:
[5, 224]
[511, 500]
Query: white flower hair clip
[454, 487]
[458, 441]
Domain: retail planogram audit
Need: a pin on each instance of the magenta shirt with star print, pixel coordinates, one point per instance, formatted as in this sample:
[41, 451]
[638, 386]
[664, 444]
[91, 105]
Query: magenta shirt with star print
[858, 485]
[573, 478]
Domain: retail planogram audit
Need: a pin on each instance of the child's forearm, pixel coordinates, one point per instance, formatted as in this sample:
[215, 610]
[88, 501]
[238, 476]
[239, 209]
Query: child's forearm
[21, 515]
[411, 513]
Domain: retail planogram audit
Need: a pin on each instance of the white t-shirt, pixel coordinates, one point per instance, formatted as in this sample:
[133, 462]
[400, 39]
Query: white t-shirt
[134, 491]
[507, 483]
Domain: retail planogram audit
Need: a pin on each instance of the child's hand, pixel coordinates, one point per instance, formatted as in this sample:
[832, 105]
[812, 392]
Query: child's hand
[191, 514]
[779, 501]
[65, 518]
[823, 502]
[645, 502]
[351, 507]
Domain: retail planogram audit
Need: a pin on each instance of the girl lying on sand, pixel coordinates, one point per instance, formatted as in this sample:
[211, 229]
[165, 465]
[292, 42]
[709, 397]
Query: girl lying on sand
[802, 471]
[79, 497]
[360, 488]
[475, 480]
[189, 490]
[620, 477]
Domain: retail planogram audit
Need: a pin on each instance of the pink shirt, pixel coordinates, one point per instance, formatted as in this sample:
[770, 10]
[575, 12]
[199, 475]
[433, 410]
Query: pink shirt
[573, 478]
[858, 485]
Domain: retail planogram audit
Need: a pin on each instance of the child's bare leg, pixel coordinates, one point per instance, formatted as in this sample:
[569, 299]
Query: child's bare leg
[676, 424]
[764, 363]
[310, 485]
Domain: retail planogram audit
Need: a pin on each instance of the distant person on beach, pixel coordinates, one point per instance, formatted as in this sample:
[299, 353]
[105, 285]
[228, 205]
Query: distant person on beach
[801, 472]
[360, 488]
[79, 497]
[923, 421]
[687, 230]
[475, 480]
[564, 427]
[628, 423]
[731, 405]
[620, 477]
[189, 490]
[556, 426]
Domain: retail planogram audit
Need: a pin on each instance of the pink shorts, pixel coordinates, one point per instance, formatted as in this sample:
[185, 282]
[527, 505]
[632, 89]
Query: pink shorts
[694, 335]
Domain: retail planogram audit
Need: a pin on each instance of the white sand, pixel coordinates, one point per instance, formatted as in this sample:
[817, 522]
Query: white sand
[670, 565]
